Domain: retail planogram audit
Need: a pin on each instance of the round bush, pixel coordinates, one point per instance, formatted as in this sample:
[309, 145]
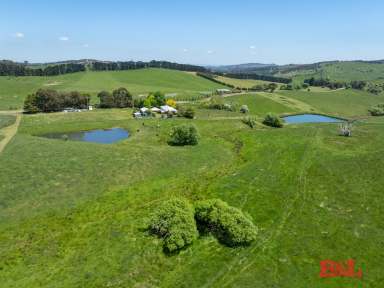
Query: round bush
[184, 135]
[174, 222]
[227, 223]
[189, 113]
[244, 109]
[273, 121]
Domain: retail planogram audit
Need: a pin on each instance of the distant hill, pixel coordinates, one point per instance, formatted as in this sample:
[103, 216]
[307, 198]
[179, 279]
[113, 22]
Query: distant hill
[372, 71]
[240, 68]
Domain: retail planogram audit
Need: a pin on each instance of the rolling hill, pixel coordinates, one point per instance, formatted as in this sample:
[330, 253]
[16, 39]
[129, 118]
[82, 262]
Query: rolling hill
[181, 85]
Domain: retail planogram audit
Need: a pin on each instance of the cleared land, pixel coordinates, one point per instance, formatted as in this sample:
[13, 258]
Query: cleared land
[347, 102]
[183, 85]
[341, 71]
[72, 213]
[242, 83]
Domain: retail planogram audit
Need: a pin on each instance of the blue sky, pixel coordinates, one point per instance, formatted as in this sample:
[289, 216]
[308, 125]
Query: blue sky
[197, 32]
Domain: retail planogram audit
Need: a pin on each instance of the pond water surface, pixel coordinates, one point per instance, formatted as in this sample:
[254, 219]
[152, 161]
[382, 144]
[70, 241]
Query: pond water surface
[102, 136]
[311, 118]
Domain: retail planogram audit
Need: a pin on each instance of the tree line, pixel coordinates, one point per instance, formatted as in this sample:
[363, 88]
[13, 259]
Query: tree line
[357, 84]
[48, 100]
[132, 65]
[10, 68]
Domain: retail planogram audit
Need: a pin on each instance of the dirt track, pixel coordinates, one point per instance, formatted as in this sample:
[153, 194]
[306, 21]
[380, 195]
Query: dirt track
[10, 131]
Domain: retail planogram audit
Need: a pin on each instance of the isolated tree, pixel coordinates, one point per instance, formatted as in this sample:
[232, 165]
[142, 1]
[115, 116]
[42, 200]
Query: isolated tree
[184, 135]
[244, 109]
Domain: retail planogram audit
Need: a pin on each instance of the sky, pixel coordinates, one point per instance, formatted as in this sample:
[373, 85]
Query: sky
[209, 32]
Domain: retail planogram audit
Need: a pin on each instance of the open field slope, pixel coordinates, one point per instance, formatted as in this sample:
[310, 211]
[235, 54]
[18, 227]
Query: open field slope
[346, 102]
[181, 84]
[72, 213]
[241, 83]
[344, 71]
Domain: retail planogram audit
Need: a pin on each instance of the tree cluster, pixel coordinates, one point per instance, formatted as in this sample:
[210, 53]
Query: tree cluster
[270, 87]
[325, 83]
[47, 100]
[119, 98]
[178, 223]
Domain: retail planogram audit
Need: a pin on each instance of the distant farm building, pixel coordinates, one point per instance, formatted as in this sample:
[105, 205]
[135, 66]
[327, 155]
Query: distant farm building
[223, 91]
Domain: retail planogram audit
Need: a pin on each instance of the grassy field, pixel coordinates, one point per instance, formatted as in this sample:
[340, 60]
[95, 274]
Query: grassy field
[241, 83]
[6, 120]
[181, 85]
[341, 71]
[348, 103]
[72, 214]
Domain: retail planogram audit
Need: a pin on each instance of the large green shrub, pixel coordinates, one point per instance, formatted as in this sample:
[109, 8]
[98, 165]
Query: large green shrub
[377, 110]
[174, 222]
[227, 223]
[250, 121]
[188, 112]
[273, 121]
[184, 135]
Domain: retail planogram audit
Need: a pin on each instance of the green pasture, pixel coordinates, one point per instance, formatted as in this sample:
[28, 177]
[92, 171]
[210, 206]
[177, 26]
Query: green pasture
[73, 214]
[178, 84]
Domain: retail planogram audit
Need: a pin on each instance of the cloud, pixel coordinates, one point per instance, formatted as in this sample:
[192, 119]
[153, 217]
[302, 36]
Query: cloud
[64, 38]
[19, 35]
[252, 47]
[85, 45]
[210, 52]
[185, 50]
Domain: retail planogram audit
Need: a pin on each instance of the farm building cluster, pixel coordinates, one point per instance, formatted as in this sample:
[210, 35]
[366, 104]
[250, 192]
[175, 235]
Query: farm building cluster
[165, 111]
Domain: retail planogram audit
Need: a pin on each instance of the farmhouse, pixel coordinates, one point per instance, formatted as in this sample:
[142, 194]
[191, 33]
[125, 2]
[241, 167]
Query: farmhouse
[223, 91]
[167, 110]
